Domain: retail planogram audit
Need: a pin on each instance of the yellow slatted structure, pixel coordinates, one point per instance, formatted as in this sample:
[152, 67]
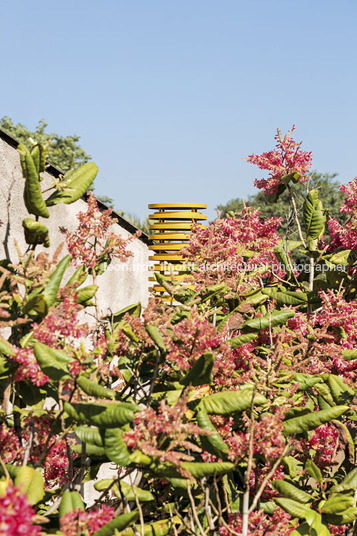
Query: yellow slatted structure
[170, 229]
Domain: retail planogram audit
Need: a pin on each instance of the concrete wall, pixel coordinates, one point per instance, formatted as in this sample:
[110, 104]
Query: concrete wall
[124, 284]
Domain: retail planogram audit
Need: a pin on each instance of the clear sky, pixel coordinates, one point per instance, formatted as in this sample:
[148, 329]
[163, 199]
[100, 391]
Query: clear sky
[168, 96]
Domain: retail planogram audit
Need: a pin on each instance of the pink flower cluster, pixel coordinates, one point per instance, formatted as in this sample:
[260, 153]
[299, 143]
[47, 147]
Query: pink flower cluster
[16, 514]
[268, 436]
[55, 465]
[60, 323]
[286, 158]
[86, 523]
[342, 235]
[335, 327]
[93, 241]
[346, 235]
[163, 434]
[323, 446]
[28, 367]
[229, 248]
[260, 524]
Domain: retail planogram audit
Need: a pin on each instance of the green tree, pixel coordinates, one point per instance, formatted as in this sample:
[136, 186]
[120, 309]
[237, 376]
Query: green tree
[64, 152]
[324, 182]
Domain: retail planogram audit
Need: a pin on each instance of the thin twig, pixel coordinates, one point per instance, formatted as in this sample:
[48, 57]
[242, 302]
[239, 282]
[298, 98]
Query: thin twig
[245, 509]
[268, 477]
[194, 512]
[296, 217]
[208, 509]
[138, 507]
[29, 443]
[152, 386]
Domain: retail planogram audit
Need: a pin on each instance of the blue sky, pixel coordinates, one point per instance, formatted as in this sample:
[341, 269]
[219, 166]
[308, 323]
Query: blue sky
[168, 96]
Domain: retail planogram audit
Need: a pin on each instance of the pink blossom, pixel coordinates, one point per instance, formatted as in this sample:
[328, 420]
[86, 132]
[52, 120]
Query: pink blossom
[164, 435]
[323, 446]
[93, 241]
[285, 159]
[269, 440]
[55, 464]
[16, 514]
[86, 523]
[229, 250]
[260, 524]
[60, 323]
[28, 367]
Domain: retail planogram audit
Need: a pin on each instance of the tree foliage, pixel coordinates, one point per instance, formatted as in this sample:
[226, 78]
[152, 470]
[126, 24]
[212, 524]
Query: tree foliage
[64, 152]
[324, 182]
[227, 408]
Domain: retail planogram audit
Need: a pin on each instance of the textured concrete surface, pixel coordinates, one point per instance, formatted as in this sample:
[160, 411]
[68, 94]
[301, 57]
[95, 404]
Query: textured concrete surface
[124, 284]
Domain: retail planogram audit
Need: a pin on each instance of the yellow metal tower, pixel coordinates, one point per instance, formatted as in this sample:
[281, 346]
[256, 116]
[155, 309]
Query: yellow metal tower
[170, 230]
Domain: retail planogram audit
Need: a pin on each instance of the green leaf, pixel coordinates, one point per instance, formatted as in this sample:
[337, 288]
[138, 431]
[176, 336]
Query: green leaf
[212, 290]
[325, 393]
[111, 415]
[337, 504]
[346, 440]
[344, 257]
[276, 318]
[35, 232]
[201, 469]
[38, 153]
[312, 420]
[53, 285]
[228, 402]
[349, 483]
[344, 518]
[89, 435]
[11, 469]
[78, 183]
[314, 520]
[342, 393]
[156, 337]
[212, 443]
[94, 389]
[314, 216]
[313, 470]
[159, 528]
[294, 508]
[52, 362]
[86, 293]
[201, 372]
[127, 490]
[6, 348]
[93, 451]
[31, 483]
[306, 380]
[115, 448]
[132, 310]
[292, 466]
[118, 523]
[305, 530]
[242, 339]
[79, 276]
[349, 354]
[71, 500]
[32, 192]
[287, 297]
[290, 491]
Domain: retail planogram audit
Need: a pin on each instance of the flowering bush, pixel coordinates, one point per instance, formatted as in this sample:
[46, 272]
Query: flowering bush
[228, 409]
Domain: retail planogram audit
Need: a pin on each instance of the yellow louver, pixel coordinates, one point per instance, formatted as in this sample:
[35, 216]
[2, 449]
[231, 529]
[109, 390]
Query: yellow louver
[170, 229]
